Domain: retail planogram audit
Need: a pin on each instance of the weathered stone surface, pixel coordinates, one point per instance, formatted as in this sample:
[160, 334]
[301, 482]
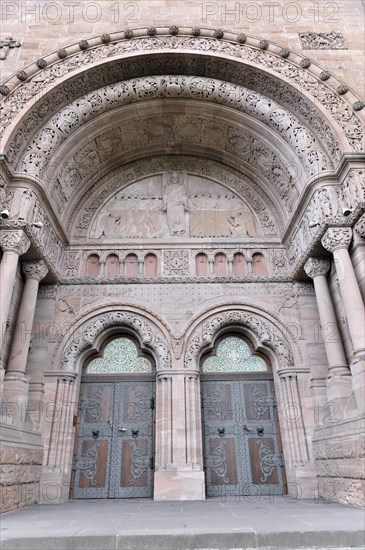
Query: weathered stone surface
[15, 474]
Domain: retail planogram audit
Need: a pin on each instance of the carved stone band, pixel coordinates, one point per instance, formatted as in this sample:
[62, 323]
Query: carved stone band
[35, 270]
[14, 241]
[337, 237]
[360, 226]
[316, 266]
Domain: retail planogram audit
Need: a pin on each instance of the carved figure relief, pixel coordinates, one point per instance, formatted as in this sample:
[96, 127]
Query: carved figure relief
[174, 205]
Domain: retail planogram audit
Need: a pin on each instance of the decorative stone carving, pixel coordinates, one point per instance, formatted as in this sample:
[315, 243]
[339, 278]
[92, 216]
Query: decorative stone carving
[163, 207]
[316, 266]
[15, 241]
[48, 291]
[337, 237]
[176, 262]
[322, 41]
[204, 335]
[57, 130]
[6, 45]
[72, 263]
[3, 188]
[231, 179]
[260, 82]
[360, 226]
[35, 269]
[86, 334]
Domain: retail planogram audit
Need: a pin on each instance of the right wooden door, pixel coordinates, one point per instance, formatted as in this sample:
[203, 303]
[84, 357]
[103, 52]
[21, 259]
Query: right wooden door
[242, 451]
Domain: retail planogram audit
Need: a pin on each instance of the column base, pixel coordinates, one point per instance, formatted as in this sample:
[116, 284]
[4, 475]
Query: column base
[339, 387]
[15, 398]
[179, 484]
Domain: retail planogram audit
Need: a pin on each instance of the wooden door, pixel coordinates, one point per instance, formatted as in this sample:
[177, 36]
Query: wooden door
[114, 450]
[242, 446]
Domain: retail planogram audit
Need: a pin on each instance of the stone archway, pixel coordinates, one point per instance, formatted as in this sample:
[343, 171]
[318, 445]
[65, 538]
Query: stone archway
[290, 377]
[63, 386]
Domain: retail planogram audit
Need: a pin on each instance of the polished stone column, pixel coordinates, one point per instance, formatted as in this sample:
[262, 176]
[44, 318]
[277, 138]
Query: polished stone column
[16, 382]
[359, 245]
[338, 380]
[194, 450]
[337, 241]
[13, 244]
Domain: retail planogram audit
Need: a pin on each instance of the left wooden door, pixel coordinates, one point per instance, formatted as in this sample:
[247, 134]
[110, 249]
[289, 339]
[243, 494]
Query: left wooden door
[114, 448]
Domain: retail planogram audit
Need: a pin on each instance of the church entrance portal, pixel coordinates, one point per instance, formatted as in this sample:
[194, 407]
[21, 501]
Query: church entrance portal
[243, 453]
[114, 445]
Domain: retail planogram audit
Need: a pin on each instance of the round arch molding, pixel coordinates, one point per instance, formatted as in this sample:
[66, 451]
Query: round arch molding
[89, 333]
[264, 330]
[35, 94]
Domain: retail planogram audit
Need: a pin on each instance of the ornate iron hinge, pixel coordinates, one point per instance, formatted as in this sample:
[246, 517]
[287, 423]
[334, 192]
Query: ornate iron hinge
[152, 403]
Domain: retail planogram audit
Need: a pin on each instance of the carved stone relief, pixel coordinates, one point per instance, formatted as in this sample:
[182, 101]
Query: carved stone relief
[204, 334]
[322, 41]
[85, 336]
[244, 190]
[57, 129]
[219, 68]
[174, 205]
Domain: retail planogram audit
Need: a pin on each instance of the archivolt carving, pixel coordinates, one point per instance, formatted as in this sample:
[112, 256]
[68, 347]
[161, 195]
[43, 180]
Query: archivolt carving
[116, 71]
[326, 206]
[204, 334]
[57, 129]
[85, 335]
[265, 210]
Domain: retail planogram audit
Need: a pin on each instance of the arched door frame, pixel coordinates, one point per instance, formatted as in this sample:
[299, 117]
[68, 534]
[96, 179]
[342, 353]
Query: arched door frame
[291, 378]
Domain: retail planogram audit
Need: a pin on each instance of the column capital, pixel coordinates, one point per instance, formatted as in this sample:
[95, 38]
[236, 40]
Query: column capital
[337, 237]
[316, 266]
[35, 269]
[360, 226]
[14, 241]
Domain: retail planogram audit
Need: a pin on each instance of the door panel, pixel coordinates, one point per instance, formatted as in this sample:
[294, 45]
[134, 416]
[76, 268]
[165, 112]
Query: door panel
[114, 455]
[242, 454]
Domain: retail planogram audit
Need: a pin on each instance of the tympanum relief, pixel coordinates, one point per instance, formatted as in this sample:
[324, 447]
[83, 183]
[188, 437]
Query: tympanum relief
[174, 205]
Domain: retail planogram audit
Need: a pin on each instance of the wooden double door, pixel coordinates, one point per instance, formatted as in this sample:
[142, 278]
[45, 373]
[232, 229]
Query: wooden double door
[242, 447]
[114, 445]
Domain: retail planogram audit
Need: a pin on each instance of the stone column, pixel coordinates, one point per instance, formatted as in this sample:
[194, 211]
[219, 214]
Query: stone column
[339, 374]
[337, 241]
[16, 382]
[194, 448]
[13, 244]
[359, 254]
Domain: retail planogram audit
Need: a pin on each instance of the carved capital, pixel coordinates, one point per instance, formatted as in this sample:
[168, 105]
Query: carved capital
[360, 226]
[316, 266]
[14, 241]
[337, 237]
[36, 269]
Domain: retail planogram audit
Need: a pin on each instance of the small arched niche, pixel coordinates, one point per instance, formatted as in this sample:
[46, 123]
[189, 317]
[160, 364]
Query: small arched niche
[131, 265]
[239, 265]
[220, 265]
[92, 265]
[258, 264]
[201, 264]
[112, 266]
[150, 265]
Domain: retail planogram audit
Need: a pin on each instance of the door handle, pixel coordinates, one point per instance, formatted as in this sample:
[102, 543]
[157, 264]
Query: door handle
[221, 432]
[122, 429]
[135, 433]
[245, 427]
[95, 434]
[260, 429]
